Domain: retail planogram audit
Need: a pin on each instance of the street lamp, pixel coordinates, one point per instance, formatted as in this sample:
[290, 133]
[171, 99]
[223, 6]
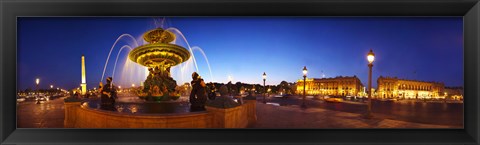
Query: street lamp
[264, 88]
[37, 81]
[51, 87]
[370, 58]
[304, 84]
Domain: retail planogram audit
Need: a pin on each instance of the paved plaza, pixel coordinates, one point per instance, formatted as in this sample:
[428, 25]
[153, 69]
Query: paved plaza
[46, 115]
[51, 115]
[273, 116]
[439, 113]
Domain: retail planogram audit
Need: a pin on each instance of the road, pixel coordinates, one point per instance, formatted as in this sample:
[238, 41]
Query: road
[420, 112]
[49, 114]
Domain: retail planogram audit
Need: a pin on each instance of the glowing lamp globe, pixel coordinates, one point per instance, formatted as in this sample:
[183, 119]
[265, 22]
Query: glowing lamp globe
[305, 71]
[370, 56]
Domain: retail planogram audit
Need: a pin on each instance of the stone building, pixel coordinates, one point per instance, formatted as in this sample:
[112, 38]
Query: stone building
[337, 86]
[393, 87]
[454, 93]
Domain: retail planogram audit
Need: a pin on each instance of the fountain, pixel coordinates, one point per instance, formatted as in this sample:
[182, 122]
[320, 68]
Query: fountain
[159, 105]
[159, 93]
[159, 55]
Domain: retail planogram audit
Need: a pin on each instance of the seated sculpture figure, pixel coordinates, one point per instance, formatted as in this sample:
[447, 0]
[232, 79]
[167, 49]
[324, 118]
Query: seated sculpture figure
[198, 95]
[108, 95]
[159, 85]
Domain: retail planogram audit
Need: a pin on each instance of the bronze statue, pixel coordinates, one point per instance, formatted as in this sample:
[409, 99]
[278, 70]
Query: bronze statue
[108, 95]
[198, 96]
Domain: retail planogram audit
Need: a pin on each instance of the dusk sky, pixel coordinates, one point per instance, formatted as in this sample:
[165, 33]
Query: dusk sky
[420, 48]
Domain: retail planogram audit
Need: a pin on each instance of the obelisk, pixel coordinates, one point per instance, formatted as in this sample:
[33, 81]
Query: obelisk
[84, 81]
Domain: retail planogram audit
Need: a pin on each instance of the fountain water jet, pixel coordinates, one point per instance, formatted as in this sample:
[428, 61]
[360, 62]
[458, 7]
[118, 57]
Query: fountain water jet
[116, 60]
[206, 59]
[188, 45]
[111, 49]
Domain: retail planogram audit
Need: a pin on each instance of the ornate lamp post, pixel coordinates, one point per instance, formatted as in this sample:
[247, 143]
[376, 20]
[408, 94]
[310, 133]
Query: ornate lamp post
[304, 84]
[51, 89]
[37, 81]
[264, 88]
[370, 58]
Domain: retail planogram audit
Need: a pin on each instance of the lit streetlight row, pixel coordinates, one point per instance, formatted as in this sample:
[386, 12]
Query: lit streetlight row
[37, 82]
[370, 58]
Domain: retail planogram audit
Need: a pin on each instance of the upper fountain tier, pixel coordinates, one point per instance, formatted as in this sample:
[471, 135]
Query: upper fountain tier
[159, 51]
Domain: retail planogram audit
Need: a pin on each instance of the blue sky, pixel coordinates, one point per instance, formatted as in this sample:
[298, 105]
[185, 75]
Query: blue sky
[422, 48]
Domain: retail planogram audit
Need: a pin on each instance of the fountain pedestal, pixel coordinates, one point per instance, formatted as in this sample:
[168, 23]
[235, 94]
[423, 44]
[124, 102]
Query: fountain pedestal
[159, 55]
[70, 114]
[82, 116]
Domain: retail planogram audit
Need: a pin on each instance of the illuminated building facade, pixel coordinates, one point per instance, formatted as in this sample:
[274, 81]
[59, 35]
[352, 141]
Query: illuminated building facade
[393, 87]
[454, 93]
[337, 86]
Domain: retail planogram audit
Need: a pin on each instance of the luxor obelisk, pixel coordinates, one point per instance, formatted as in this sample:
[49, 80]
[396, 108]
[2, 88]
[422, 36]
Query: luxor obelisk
[84, 81]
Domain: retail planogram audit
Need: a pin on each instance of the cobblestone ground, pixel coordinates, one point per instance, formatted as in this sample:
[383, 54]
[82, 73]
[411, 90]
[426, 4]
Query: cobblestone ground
[47, 115]
[272, 116]
[51, 115]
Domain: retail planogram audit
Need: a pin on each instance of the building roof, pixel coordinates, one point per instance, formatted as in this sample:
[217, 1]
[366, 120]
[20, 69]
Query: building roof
[332, 78]
[400, 79]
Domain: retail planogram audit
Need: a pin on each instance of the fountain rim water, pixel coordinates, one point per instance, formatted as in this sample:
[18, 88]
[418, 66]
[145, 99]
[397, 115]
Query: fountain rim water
[180, 114]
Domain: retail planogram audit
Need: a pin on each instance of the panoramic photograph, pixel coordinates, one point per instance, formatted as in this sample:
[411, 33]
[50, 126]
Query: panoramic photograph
[240, 72]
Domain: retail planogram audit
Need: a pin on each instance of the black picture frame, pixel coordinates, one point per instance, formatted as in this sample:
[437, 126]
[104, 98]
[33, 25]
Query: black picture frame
[10, 10]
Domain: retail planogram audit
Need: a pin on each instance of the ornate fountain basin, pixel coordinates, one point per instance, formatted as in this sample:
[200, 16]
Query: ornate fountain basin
[159, 51]
[159, 54]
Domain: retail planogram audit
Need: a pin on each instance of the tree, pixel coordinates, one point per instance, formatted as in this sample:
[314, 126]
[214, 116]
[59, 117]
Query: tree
[238, 86]
[28, 90]
[285, 87]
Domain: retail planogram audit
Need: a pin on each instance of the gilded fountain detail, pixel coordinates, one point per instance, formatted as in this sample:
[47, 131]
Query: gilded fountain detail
[159, 55]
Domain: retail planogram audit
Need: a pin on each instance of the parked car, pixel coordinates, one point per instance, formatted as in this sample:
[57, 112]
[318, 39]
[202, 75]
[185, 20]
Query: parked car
[334, 99]
[20, 99]
[278, 96]
[392, 99]
[41, 99]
